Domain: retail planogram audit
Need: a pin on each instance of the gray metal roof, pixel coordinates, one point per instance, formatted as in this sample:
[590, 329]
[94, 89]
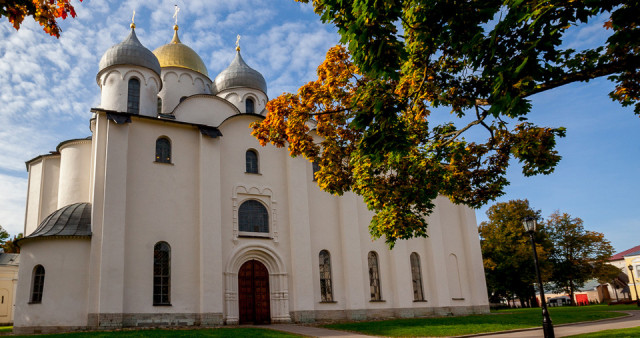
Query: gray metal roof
[129, 52]
[9, 259]
[239, 74]
[72, 220]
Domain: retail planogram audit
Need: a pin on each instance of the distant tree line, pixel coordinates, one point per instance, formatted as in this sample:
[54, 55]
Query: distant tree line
[569, 254]
[8, 244]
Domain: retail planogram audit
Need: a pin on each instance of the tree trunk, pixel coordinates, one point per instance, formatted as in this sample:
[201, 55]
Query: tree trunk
[573, 302]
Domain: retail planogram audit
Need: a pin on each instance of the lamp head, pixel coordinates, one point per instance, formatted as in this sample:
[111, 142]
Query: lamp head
[630, 267]
[529, 224]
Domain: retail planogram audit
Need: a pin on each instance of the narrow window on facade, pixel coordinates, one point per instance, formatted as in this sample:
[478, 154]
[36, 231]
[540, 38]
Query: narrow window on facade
[374, 276]
[159, 109]
[253, 217]
[416, 277]
[326, 289]
[162, 274]
[37, 284]
[133, 97]
[251, 159]
[316, 168]
[249, 106]
[163, 150]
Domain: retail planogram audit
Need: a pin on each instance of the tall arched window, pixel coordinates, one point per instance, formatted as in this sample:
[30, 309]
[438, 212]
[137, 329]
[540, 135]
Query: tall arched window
[249, 106]
[163, 150]
[315, 167]
[162, 274]
[253, 217]
[374, 276]
[37, 284]
[251, 160]
[455, 285]
[326, 289]
[159, 108]
[133, 98]
[416, 277]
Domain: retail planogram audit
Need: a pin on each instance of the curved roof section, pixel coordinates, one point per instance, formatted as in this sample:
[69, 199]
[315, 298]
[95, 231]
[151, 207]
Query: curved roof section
[129, 52]
[72, 220]
[177, 54]
[239, 74]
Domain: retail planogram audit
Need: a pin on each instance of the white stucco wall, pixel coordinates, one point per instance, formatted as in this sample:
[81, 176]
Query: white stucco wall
[42, 196]
[64, 296]
[181, 82]
[114, 84]
[75, 170]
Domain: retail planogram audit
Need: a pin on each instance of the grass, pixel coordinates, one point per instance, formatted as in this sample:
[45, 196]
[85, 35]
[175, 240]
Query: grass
[619, 333]
[221, 332]
[6, 328]
[496, 321]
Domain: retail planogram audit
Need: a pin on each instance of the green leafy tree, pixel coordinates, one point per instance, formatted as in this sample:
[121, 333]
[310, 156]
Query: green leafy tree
[482, 59]
[578, 255]
[506, 251]
[3, 235]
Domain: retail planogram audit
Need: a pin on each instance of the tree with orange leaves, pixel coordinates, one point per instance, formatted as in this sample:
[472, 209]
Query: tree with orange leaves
[45, 12]
[375, 132]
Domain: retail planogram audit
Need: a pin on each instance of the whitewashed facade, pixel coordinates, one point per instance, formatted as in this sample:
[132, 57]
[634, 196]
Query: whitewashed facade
[102, 276]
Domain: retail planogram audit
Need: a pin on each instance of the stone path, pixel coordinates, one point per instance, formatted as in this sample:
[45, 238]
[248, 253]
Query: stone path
[633, 320]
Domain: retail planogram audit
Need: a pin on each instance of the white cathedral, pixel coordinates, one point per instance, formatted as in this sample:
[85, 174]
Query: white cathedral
[172, 214]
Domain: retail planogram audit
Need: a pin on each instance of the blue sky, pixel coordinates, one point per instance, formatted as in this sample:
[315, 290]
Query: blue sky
[47, 87]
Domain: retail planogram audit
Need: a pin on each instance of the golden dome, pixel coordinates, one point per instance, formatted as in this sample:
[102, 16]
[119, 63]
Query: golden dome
[177, 54]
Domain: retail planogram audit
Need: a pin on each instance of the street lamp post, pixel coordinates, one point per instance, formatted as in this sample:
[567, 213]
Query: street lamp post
[547, 327]
[634, 284]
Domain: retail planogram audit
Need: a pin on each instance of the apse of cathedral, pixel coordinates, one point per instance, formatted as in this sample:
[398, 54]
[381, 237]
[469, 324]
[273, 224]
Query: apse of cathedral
[171, 214]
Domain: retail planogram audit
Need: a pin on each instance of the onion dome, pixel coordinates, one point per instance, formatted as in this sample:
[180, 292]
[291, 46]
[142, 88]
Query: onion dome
[129, 52]
[72, 220]
[177, 54]
[239, 74]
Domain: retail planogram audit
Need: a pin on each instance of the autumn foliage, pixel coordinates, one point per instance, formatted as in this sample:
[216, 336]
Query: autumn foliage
[371, 121]
[45, 12]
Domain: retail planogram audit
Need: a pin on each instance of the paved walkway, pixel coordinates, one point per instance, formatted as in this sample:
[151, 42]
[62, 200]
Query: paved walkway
[578, 328]
[633, 320]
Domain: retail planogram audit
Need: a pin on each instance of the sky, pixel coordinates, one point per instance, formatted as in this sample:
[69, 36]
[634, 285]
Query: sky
[48, 86]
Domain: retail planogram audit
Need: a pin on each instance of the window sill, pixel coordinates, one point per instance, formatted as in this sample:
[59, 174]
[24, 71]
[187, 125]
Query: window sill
[420, 301]
[377, 301]
[246, 234]
[165, 163]
[163, 304]
[259, 174]
[34, 303]
[328, 302]
[457, 298]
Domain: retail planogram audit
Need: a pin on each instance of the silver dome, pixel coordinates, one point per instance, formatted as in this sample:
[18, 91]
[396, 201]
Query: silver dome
[239, 74]
[129, 52]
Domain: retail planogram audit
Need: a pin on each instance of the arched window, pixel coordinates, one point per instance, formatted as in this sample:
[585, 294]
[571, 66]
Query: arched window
[133, 98]
[162, 274]
[37, 284]
[163, 150]
[249, 106]
[455, 285]
[159, 108]
[326, 289]
[374, 276]
[316, 168]
[253, 217]
[251, 158]
[416, 277]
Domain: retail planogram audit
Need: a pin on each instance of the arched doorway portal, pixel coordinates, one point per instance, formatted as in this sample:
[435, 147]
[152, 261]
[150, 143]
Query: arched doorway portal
[253, 292]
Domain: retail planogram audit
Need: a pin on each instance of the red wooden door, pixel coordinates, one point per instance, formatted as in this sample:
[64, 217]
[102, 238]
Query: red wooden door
[253, 290]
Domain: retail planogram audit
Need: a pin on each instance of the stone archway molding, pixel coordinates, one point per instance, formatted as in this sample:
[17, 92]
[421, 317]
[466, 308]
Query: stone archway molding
[278, 281]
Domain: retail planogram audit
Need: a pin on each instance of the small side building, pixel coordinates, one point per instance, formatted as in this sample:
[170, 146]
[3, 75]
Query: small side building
[8, 283]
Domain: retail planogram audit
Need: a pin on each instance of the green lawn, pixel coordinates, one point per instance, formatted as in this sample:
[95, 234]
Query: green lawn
[496, 321]
[6, 328]
[221, 332]
[619, 333]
